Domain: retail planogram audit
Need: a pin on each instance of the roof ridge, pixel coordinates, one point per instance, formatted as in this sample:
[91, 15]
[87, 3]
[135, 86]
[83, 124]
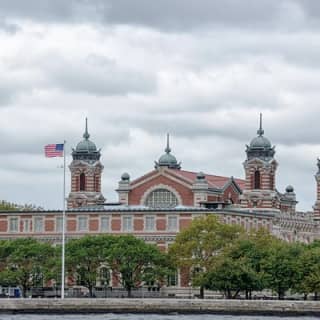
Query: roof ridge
[209, 174]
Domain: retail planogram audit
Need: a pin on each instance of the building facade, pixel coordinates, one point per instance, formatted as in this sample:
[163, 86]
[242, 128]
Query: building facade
[164, 201]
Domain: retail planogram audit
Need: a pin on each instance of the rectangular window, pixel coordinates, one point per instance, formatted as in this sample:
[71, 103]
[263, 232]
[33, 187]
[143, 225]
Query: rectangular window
[59, 222]
[38, 224]
[150, 224]
[104, 224]
[13, 225]
[172, 279]
[26, 225]
[82, 223]
[172, 223]
[127, 224]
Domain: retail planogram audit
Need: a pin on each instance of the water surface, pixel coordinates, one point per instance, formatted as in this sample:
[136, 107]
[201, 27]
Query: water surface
[111, 316]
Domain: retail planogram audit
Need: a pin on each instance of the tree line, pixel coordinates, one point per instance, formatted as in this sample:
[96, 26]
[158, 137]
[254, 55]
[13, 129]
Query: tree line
[227, 259]
[211, 254]
[10, 206]
[29, 263]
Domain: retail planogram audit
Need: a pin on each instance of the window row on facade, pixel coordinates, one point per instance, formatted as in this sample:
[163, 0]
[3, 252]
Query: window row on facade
[249, 223]
[83, 223]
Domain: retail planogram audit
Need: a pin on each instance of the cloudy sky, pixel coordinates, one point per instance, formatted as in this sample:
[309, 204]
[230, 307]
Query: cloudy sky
[202, 70]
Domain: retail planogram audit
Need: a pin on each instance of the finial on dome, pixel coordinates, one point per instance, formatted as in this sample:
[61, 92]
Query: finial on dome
[167, 149]
[86, 134]
[260, 132]
[125, 176]
[289, 189]
[318, 164]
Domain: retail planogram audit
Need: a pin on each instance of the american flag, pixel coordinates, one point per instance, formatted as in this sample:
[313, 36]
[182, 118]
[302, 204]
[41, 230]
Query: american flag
[53, 150]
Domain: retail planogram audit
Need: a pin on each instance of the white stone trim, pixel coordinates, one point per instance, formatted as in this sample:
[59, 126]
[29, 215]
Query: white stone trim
[168, 175]
[8, 224]
[177, 220]
[34, 224]
[56, 223]
[78, 223]
[154, 223]
[132, 223]
[109, 223]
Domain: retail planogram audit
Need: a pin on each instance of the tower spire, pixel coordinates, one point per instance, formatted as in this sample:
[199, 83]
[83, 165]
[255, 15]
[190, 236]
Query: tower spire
[167, 149]
[260, 132]
[86, 134]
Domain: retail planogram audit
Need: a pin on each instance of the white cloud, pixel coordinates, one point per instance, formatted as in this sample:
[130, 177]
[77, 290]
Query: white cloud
[137, 79]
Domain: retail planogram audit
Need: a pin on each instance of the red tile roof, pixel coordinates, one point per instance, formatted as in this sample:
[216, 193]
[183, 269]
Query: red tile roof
[214, 181]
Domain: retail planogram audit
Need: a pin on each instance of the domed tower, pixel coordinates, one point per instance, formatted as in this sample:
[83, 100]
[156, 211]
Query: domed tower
[168, 160]
[316, 207]
[86, 170]
[260, 170]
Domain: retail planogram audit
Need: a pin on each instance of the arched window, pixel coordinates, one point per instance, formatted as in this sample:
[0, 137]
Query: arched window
[257, 180]
[82, 182]
[161, 198]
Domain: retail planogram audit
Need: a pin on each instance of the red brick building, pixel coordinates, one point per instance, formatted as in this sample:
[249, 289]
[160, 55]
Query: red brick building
[162, 202]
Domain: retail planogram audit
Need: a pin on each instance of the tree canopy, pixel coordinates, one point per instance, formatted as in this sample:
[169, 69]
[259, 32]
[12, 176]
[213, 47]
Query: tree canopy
[197, 247]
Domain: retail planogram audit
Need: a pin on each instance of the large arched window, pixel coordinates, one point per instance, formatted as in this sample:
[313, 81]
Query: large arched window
[82, 182]
[257, 180]
[161, 198]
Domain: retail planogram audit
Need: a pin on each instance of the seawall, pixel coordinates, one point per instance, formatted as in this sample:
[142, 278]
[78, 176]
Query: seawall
[165, 306]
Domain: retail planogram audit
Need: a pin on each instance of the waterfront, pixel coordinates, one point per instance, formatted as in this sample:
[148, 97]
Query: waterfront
[111, 316]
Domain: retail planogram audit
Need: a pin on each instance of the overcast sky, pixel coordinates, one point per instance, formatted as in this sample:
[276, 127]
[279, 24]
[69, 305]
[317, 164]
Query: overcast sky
[202, 70]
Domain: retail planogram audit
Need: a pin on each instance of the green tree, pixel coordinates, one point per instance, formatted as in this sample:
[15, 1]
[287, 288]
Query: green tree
[232, 276]
[86, 255]
[136, 261]
[28, 263]
[9, 206]
[280, 267]
[252, 249]
[197, 247]
[308, 264]
[5, 252]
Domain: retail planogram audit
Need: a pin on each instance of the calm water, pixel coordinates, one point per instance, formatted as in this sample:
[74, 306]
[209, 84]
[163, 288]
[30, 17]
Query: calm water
[142, 317]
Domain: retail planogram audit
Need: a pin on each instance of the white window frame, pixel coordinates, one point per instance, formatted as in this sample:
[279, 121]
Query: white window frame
[36, 226]
[147, 226]
[107, 218]
[161, 198]
[26, 225]
[83, 228]
[58, 226]
[17, 224]
[169, 226]
[126, 227]
[177, 277]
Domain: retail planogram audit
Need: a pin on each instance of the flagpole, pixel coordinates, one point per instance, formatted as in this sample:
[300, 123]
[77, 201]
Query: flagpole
[63, 222]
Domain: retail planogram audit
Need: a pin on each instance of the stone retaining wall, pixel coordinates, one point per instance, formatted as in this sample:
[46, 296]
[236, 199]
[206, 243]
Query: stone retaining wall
[258, 307]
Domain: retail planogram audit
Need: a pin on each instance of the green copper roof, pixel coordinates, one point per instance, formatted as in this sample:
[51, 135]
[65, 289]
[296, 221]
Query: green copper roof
[260, 141]
[86, 145]
[167, 159]
[86, 150]
[260, 146]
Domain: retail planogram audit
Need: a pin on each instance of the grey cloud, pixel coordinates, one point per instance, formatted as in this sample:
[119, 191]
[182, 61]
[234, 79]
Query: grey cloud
[167, 15]
[11, 28]
[47, 10]
[6, 95]
[99, 76]
[183, 14]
